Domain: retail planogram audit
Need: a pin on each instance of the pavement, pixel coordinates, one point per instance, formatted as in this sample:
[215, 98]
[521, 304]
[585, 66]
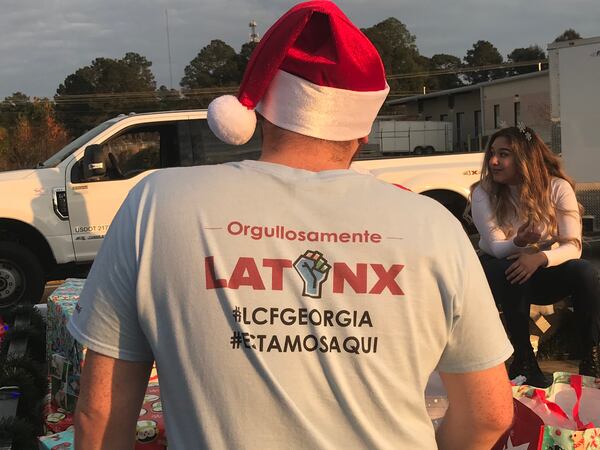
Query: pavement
[551, 366]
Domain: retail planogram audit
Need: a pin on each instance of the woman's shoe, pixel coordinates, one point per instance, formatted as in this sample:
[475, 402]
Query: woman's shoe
[525, 363]
[590, 364]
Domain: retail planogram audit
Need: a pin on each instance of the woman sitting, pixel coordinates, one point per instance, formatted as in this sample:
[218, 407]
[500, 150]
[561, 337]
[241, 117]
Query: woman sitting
[529, 221]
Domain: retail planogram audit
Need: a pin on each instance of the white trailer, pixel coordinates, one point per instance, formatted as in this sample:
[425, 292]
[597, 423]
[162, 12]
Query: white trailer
[575, 102]
[391, 135]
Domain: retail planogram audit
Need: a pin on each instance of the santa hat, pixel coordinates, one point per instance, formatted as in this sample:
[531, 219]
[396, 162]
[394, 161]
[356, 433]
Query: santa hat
[313, 72]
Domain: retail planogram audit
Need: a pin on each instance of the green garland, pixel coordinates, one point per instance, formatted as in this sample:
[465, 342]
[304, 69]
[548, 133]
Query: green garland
[36, 342]
[29, 373]
[31, 395]
[35, 318]
[35, 332]
[19, 432]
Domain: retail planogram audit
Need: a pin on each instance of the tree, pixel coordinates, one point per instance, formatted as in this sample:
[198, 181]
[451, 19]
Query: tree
[215, 65]
[568, 35]
[398, 50]
[34, 136]
[526, 54]
[16, 98]
[90, 95]
[443, 61]
[168, 99]
[483, 53]
[11, 107]
[244, 56]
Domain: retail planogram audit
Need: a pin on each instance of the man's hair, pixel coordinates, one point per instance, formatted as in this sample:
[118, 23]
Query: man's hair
[536, 165]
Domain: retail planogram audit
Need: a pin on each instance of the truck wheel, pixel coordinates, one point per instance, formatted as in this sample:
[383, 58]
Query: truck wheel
[455, 203]
[429, 150]
[21, 275]
[418, 150]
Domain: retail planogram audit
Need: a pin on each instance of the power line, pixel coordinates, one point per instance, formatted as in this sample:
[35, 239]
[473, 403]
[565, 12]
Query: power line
[468, 69]
[155, 95]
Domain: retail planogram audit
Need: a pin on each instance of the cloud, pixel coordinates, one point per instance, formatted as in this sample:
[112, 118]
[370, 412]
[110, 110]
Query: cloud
[43, 42]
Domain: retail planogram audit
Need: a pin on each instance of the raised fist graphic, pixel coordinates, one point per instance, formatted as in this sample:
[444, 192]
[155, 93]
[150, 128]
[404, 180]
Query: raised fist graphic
[313, 269]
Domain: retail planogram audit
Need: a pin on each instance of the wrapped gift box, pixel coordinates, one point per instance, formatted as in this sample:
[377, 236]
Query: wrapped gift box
[61, 304]
[65, 362]
[56, 420]
[150, 427]
[65, 355]
[56, 441]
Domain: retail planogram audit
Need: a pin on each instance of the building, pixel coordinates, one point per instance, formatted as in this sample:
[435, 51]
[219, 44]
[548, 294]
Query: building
[476, 111]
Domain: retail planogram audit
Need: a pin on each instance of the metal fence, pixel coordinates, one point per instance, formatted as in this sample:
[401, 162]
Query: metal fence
[588, 195]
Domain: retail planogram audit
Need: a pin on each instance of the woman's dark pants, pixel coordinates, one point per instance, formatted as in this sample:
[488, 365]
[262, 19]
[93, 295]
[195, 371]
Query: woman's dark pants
[577, 278]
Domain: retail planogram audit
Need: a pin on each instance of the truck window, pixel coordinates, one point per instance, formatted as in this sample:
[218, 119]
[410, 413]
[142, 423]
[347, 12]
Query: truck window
[133, 152]
[137, 149]
[67, 150]
[208, 149]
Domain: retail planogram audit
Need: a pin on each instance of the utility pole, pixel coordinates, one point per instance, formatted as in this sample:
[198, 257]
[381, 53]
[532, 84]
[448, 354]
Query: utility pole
[169, 50]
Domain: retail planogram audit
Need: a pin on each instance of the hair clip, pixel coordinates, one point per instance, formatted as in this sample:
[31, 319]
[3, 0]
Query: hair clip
[523, 129]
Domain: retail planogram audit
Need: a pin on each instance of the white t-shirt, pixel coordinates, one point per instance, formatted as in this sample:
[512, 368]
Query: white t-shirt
[288, 308]
[495, 242]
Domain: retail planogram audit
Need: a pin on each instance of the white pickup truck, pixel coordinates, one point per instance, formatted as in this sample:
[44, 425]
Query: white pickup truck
[53, 218]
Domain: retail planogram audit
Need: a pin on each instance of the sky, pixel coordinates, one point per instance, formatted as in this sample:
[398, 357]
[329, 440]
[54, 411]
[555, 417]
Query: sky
[44, 41]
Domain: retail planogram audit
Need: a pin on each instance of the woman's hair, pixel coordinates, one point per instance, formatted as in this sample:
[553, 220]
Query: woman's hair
[536, 165]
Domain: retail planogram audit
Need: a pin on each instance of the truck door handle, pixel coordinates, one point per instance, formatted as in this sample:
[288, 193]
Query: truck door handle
[59, 203]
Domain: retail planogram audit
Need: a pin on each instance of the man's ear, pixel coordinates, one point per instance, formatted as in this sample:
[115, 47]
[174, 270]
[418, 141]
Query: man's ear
[360, 142]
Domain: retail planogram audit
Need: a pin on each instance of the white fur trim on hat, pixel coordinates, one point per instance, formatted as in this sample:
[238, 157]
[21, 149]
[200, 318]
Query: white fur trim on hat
[294, 104]
[231, 121]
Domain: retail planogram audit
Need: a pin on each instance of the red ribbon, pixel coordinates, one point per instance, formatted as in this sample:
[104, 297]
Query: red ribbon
[576, 382]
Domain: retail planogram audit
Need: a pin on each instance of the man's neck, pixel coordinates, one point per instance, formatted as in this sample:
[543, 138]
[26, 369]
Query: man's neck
[305, 160]
[312, 156]
[295, 150]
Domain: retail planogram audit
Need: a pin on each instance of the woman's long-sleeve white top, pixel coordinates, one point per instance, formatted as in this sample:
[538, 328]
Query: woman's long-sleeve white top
[495, 242]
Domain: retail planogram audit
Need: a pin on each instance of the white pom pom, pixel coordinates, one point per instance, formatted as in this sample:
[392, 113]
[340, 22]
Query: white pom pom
[231, 121]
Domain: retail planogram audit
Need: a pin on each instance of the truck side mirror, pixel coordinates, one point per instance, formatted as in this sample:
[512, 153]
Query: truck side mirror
[93, 164]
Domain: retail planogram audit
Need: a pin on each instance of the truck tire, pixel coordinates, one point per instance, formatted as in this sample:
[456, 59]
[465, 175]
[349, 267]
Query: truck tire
[454, 203]
[21, 275]
[418, 150]
[429, 150]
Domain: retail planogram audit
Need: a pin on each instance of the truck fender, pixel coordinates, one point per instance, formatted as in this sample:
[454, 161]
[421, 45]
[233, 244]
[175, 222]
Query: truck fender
[13, 230]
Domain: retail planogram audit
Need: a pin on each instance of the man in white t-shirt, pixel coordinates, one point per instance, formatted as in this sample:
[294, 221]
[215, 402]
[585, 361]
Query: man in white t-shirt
[291, 302]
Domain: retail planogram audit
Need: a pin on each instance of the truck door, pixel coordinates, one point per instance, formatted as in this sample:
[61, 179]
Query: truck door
[130, 155]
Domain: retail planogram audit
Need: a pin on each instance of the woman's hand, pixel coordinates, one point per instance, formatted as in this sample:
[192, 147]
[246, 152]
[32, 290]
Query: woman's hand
[525, 266]
[527, 234]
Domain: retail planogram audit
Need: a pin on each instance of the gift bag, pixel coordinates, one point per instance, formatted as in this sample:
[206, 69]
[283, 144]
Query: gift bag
[562, 417]
[579, 430]
[525, 431]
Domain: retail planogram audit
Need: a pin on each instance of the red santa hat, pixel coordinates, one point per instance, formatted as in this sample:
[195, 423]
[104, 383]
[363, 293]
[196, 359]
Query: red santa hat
[313, 72]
